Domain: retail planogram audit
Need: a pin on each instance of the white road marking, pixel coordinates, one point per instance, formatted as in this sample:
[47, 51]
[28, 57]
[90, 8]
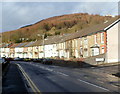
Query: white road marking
[93, 85]
[48, 69]
[62, 74]
[31, 83]
[114, 86]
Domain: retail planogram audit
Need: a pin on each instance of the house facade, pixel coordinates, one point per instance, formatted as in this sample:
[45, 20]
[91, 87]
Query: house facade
[41, 51]
[3, 52]
[25, 52]
[113, 44]
[51, 51]
[30, 52]
[61, 50]
[19, 50]
[48, 50]
[54, 51]
[35, 52]
[68, 49]
[12, 50]
[7, 52]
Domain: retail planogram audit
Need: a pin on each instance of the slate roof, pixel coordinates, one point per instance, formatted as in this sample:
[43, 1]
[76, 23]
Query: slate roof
[36, 43]
[14, 45]
[22, 44]
[49, 40]
[29, 44]
[3, 45]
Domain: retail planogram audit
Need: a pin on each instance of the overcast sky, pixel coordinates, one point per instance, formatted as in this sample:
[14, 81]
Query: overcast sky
[18, 14]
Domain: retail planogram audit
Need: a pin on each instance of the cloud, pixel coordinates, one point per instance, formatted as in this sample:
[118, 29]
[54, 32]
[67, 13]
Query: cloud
[17, 14]
[102, 8]
[60, 0]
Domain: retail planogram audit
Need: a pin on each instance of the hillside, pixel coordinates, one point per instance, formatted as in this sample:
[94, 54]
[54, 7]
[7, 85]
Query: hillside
[57, 25]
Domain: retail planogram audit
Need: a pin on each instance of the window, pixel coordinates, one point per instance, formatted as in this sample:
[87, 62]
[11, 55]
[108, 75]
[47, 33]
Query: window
[102, 37]
[102, 50]
[85, 42]
[85, 53]
[80, 42]
[76, 43]
[92, 52]
[64, 45]
[95, 38]
[73, 43]
[81, 50]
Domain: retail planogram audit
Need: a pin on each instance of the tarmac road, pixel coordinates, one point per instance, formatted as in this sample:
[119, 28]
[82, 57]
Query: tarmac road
[49, 78]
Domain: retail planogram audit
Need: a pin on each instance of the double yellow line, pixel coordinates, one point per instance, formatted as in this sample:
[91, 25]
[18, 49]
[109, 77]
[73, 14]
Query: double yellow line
[32, 85]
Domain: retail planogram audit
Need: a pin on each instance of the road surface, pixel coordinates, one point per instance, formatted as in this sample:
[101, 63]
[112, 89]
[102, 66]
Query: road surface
[50, 78]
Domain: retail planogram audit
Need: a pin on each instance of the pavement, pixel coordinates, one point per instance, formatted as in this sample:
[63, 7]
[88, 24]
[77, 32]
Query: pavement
[55, 79]
[12, 81]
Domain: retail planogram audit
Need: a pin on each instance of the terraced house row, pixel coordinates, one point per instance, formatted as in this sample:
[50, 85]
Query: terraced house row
[98, 43]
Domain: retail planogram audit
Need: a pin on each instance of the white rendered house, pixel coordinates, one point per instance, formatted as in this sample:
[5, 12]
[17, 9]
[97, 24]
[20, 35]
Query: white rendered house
[113, 44]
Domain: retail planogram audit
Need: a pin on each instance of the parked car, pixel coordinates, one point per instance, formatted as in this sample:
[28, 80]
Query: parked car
[38, 60]
[18, 59]
[2, 61]
[34, 60]
[9, 59]
[47, 61]
[27, 59]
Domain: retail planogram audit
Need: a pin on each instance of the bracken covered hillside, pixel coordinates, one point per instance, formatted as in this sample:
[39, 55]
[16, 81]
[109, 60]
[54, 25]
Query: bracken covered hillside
[53, 26]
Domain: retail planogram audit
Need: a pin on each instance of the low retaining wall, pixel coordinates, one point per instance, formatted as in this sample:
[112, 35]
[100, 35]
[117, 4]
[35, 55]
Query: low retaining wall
[67, 63]
[92, 60]
[86, 62]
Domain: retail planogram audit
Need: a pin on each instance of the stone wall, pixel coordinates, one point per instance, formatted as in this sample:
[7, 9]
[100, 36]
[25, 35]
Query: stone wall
[92, 60]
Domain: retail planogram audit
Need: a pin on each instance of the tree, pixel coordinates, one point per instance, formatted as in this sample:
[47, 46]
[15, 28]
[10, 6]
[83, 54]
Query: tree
[46, 27]
[57, 33]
